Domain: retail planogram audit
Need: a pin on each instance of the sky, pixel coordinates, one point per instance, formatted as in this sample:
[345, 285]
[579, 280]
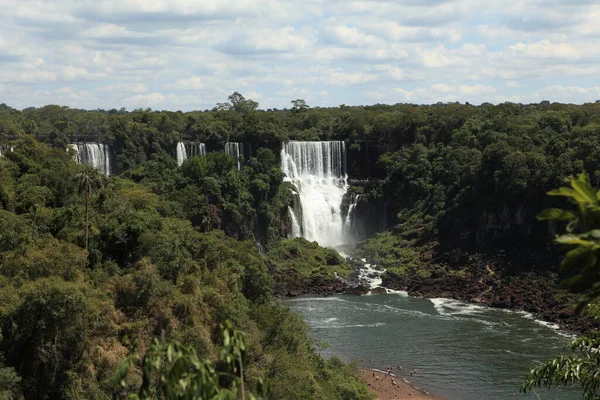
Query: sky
[191, 54]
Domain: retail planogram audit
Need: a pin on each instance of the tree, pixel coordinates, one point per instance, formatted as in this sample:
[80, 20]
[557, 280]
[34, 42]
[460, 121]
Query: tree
[46, 330]
[583, 263]
[581, 368]
[184, 376]
[299, 105]
[88, 180]
[32, 198]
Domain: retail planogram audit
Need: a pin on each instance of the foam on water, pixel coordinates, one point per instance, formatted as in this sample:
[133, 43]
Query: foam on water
[450, 307]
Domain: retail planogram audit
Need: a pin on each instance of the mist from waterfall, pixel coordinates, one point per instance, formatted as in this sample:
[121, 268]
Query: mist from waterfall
[189, 149]
[318, 170]
[95, 154]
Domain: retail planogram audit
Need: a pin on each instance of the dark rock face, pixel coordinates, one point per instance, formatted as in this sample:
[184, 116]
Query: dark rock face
[379, 290]
[357, 290]
[292, 283]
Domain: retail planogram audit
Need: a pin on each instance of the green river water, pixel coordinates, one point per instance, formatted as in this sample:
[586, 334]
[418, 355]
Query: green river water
[461, 351]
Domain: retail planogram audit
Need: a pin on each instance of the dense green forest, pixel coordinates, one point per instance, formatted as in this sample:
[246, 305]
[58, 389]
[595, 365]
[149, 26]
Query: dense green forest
[88, 263]
[470, 174]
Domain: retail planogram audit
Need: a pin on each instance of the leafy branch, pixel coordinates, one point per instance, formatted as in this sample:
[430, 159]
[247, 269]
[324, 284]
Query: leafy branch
[182, 375]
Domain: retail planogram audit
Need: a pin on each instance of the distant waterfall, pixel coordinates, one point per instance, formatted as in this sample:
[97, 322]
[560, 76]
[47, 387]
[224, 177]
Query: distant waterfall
[240, 151]
[189, 149]
[318, 170]
[95, 154]
[3, 150]
[181, 154]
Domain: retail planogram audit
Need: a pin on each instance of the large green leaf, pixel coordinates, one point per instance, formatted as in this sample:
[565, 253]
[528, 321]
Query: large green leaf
[582, 186]
[573, 239]
[556, 214]
[580, 257]
[567, 192]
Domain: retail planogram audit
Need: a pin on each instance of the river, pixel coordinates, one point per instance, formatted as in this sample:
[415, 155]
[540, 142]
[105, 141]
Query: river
[461, 351]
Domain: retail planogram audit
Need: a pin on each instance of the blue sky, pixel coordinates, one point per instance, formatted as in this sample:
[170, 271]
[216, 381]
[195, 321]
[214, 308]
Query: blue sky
[191, 54]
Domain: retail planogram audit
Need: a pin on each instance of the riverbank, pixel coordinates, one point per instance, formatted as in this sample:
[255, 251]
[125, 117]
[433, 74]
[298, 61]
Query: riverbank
[500, 279]
[388, 387]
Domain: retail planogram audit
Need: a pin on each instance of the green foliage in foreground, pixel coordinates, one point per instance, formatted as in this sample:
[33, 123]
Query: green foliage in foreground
[582, 264]
[582, 261]
[581, 369]
[182, 375]
[308, 258]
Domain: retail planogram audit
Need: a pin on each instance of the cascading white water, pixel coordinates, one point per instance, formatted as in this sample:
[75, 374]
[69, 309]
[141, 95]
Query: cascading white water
[318, 170]
[189, 149]
[350, 225]
[233, 149]
[181, 154]
[95, 154]
[296, 230]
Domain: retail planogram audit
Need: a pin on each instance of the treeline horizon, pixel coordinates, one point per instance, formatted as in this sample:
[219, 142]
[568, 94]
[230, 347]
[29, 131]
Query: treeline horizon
[125, 110]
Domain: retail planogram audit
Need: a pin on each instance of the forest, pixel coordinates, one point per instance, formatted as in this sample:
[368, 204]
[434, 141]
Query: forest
[90, 263]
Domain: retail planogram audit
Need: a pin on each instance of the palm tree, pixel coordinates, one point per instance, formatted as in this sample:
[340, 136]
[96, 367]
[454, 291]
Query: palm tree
[88, 180]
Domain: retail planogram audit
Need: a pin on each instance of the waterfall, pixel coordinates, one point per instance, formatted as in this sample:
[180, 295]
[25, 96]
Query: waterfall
[318, 170]
[296, 230]
[95, 154]
[181, 153]
[350, 224]
[2, 150]
[233, 149]
[189, 149]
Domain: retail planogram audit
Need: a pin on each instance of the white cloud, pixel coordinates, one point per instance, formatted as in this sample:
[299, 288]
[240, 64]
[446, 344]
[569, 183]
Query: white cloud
[189, 54]
[149, 100]
[513, 84]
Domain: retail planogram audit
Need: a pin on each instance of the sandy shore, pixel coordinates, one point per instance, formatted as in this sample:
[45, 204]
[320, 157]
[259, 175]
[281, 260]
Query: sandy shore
[391, 388]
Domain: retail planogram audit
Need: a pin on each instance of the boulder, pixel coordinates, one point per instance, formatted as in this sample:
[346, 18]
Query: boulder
[379, 290]
[357, 290]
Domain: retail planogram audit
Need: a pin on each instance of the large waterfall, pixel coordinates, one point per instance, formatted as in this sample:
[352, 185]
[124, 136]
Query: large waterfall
[95, 154]
[318, 170]
[189, 149]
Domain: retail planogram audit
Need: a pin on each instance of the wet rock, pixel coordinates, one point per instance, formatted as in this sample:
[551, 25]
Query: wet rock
[357, 290]
[379, 290]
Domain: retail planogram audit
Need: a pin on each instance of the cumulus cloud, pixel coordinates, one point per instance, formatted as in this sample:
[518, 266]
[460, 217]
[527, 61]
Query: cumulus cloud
[189, 54]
